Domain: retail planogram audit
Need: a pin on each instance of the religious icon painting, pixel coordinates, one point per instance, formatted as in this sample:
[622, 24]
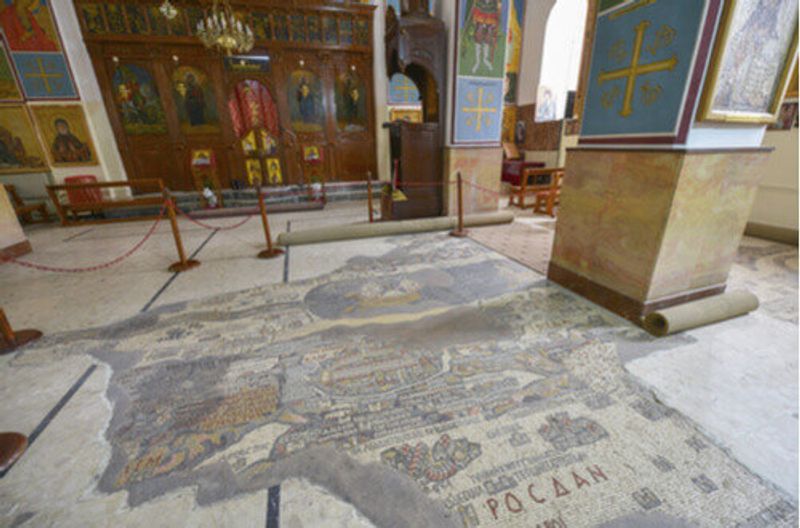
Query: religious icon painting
[253, 169]
[479, 111]
[93, 20]
[137, 19]
[28, 26]
[274, 171]
[304, 92]
[251, 106]
[249, 145]
[65, 134]
[44, 75]
[268, 143]
[755, 50]
[351, 103]
[646, 65]
[20, 150]
[115, 17]
[482, 37]
[195, 101]
[312, 154]
[138, 101]
[9, 89]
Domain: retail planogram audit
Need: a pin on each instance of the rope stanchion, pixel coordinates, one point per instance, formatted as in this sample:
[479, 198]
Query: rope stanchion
[117, 260]
[183, 264]
[459, 231]
[369, 197]
[270, 252]
[10, 340]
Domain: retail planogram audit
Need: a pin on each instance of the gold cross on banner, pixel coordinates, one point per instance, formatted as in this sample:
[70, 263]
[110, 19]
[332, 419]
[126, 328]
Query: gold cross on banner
[636, 69]
[478, 110]
[405, 89]
[43, 75]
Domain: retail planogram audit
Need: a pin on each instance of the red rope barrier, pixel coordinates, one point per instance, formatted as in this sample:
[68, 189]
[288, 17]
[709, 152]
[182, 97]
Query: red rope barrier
[134, 249]
[209, 226]
[484, 189]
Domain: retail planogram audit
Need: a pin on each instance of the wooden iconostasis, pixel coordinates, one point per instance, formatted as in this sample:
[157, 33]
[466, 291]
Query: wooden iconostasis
[298, 108]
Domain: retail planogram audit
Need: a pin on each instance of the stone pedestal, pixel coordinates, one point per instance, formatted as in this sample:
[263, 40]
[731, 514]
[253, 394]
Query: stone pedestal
[640, 230]
[481, 167]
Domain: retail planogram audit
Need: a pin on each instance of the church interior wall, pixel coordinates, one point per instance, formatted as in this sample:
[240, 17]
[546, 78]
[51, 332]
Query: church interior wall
[776, 200]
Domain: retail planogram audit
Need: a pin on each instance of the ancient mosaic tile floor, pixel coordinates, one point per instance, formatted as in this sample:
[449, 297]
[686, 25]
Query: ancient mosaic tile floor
[530, 245]
[438, 384]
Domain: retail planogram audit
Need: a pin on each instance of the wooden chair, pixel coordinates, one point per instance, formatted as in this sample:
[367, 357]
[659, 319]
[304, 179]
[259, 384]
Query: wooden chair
[547, 200]
[533, 181]
[24, 210]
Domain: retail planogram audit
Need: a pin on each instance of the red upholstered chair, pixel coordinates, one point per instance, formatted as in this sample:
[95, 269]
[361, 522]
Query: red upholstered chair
[513, 164]
[82, 196]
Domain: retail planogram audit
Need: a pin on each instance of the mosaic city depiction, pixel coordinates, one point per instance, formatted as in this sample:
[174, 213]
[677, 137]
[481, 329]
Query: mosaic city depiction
[500, 396]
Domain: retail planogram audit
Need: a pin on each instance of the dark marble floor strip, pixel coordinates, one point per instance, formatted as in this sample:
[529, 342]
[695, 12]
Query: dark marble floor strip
[273, 507]
[76, 235]
[55, 410]
[174, 275]
[286, 255]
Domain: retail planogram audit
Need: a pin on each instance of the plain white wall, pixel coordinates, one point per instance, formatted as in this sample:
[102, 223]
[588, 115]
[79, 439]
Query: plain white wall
[776, 199]
[533, 37]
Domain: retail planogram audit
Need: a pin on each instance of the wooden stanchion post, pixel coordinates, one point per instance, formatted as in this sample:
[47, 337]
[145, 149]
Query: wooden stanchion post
[270, 252]
[369, 197]
[183, 264]
[459, 231]
[11, 340]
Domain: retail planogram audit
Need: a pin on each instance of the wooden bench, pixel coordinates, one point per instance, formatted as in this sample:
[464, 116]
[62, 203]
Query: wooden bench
[68, 212]
[24, 210]
[548, 199]
[533, 182]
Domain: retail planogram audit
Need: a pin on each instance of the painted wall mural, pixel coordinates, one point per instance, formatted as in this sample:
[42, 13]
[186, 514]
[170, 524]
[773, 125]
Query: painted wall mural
[138, 101]
[20, 150]
[403, 91]
[516, 21]
[481, 60]
[9, 88]
[644, 56]
[351, 103]
[64, 131]
[305, 101]
[36, 50]
[195, 101]
[755, 51]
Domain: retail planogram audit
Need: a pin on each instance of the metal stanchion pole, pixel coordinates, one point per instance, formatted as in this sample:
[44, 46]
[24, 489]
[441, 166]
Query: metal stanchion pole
[270, 252]
[459, 231]
[183, 264]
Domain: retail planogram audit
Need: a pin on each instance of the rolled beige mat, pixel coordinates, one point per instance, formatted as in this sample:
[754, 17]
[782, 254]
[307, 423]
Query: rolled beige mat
[381, 229]
[699, 313]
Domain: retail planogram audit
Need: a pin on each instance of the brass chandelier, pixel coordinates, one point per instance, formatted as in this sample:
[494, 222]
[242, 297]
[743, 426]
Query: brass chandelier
[224, 31]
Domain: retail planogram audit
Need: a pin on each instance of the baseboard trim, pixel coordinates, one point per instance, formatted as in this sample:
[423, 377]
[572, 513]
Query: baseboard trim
[621, 304]
[785, 235]
[16, 250]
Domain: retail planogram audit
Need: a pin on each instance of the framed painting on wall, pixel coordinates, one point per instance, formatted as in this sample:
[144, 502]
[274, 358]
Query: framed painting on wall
[20, 150]
[65, 135]
[754, 52]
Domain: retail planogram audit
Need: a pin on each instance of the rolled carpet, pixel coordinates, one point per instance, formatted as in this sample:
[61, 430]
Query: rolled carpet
[381, 229]
[699, 313]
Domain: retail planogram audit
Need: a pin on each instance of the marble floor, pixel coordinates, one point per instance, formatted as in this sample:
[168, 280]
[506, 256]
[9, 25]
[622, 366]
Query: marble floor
[736, 382]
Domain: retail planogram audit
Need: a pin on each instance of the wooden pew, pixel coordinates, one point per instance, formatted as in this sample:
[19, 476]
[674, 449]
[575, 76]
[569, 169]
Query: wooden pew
[548, 199]
[68, 212]
[24, 210]
[532, 182]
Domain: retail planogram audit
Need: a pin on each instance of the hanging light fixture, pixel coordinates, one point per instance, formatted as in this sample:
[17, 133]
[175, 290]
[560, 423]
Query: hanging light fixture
[224, 31]
[168, 10]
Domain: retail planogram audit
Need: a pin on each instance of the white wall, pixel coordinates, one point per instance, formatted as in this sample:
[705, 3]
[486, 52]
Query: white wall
[563, 47]
[776, 199]
[110, 167]
[533, 36]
